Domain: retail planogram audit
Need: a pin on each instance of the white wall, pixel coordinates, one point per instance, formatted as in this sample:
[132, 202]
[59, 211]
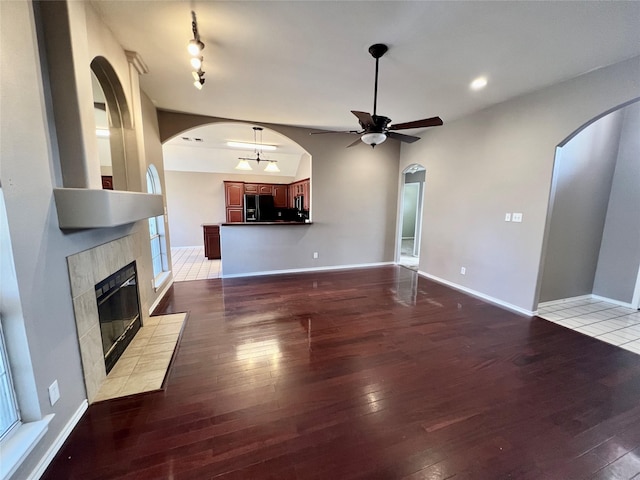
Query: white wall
[32, 150]
[194, 198]
[582, 184]
[501, 160]
[620, 251]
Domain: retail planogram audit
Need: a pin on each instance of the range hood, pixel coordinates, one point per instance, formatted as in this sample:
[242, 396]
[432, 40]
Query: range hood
[81, 208]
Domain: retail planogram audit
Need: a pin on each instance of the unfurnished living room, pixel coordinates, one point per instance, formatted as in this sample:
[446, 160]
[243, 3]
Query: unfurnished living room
[319, 240]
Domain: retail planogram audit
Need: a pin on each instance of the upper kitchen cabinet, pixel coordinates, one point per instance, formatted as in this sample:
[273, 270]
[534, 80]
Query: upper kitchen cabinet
[280, 196]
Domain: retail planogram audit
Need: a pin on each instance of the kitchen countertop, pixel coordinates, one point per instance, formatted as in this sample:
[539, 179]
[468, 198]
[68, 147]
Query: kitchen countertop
[244, 224]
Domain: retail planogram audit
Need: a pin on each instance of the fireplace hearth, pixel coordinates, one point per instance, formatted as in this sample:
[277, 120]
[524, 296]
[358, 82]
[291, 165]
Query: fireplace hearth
[118, 311]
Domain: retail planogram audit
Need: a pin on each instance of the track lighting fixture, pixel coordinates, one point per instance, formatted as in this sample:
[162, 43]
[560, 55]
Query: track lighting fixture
[195, 48]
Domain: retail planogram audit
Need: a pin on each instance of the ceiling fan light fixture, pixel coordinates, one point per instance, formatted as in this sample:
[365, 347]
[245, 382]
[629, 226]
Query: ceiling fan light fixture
[373, 138]
[272, 167]
[243, 165]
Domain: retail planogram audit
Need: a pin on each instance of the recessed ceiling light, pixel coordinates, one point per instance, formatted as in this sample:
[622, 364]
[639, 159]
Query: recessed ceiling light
[479, 83]
[251, 146]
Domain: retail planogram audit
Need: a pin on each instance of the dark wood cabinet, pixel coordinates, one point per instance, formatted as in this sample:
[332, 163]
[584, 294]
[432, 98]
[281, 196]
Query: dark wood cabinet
[266, 189]
[234, 194]
[211, 241]
[284, 196]
[235, 215]
[107, 182]
[280, 196]
[234, 201]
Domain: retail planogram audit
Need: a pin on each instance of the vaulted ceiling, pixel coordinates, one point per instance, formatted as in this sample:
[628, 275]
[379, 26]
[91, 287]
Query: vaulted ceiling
[306, 63]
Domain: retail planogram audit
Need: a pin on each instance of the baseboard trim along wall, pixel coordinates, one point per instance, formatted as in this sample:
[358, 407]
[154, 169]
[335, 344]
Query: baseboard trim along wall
[302, 270]
[59, 441]
[590, 296]
[480, 295]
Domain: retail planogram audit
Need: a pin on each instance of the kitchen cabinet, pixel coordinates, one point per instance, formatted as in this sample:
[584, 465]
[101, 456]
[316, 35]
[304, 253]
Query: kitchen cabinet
[211, 241]
[234, 201]
[235, 215]
[107, 182]
[265, 189]
[280, 196]
[251, 188]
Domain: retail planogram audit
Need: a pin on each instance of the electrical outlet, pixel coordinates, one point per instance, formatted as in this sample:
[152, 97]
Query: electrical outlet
[463, 271]
[507, 217]
[54, 393]
[517, 217]
[315, 254]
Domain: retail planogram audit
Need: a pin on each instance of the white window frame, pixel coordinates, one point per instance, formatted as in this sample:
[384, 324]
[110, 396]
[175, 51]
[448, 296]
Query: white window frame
[157, 237]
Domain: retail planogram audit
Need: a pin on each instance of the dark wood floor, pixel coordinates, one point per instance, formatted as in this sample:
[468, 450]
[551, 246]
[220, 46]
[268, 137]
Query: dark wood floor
[371, 373]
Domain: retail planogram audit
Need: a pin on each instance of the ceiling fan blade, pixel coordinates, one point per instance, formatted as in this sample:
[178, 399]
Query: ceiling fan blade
[334, 131]
[354, 143]
[427, 122]
[402, 137]
[366, 120]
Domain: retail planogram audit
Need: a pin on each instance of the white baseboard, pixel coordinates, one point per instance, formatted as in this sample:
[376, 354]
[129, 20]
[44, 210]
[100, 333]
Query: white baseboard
[564, 300]
[59, 441]
[475, 293]
[611, 300]
[302, 270]
[590, 296]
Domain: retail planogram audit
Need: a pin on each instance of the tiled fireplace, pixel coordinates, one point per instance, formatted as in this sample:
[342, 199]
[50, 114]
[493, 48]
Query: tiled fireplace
[86, 270]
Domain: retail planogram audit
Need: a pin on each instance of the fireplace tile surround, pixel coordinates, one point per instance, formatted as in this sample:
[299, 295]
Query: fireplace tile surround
[86, 269]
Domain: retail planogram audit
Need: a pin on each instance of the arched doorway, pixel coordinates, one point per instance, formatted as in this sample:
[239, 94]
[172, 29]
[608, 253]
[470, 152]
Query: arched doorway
[410, 225]
[199, 168]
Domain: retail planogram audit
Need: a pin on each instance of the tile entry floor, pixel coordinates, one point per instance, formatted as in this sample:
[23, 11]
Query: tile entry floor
[602, 320]
[143, 365]
[189, 263]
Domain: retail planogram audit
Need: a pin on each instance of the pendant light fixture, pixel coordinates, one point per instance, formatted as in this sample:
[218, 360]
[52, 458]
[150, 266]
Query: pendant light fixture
[195, 48]
[243, 164]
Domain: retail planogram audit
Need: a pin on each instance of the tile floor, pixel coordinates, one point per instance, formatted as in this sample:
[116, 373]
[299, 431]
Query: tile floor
[143, 365]
[189, 263]
[605, 321]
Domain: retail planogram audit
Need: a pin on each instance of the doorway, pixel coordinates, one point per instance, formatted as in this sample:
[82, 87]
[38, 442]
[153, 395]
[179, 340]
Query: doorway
[410, 225]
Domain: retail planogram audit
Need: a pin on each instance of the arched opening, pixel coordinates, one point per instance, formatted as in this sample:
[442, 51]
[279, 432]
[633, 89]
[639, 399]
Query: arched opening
[410, 225]
[113, 121]
[200, 171]
[157, 235]
[591, 254]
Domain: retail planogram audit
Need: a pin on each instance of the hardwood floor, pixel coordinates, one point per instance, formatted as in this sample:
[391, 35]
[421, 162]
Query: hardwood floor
[371, 373]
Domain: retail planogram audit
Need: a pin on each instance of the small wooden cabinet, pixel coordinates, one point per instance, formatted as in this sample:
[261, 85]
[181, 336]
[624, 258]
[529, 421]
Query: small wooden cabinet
[265, 189]
[211, 241]
[280, 196]
[251, 188]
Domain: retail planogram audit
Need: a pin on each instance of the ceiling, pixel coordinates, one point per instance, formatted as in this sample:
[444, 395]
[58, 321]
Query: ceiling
[306, 63]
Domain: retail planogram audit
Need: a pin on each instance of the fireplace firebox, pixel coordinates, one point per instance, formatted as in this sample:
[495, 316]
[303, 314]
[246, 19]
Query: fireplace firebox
[118, 311]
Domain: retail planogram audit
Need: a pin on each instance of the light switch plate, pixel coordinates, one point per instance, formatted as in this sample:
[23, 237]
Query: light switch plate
[507, 217]
[54, 393]
[517, 217]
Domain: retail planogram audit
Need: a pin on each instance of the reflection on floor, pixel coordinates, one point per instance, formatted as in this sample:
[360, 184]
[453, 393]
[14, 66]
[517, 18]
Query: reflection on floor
[189, 263]
[407, 259]
[605, 321]
[143, 365]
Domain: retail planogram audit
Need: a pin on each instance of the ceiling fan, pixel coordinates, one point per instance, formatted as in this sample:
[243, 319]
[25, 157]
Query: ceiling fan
[375, 128]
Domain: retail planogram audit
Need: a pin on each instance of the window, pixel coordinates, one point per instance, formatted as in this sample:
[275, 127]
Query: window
[9, 414]
[156, 233]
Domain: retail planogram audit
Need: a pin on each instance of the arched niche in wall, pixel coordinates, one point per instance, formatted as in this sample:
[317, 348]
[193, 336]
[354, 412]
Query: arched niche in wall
[113, 119]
